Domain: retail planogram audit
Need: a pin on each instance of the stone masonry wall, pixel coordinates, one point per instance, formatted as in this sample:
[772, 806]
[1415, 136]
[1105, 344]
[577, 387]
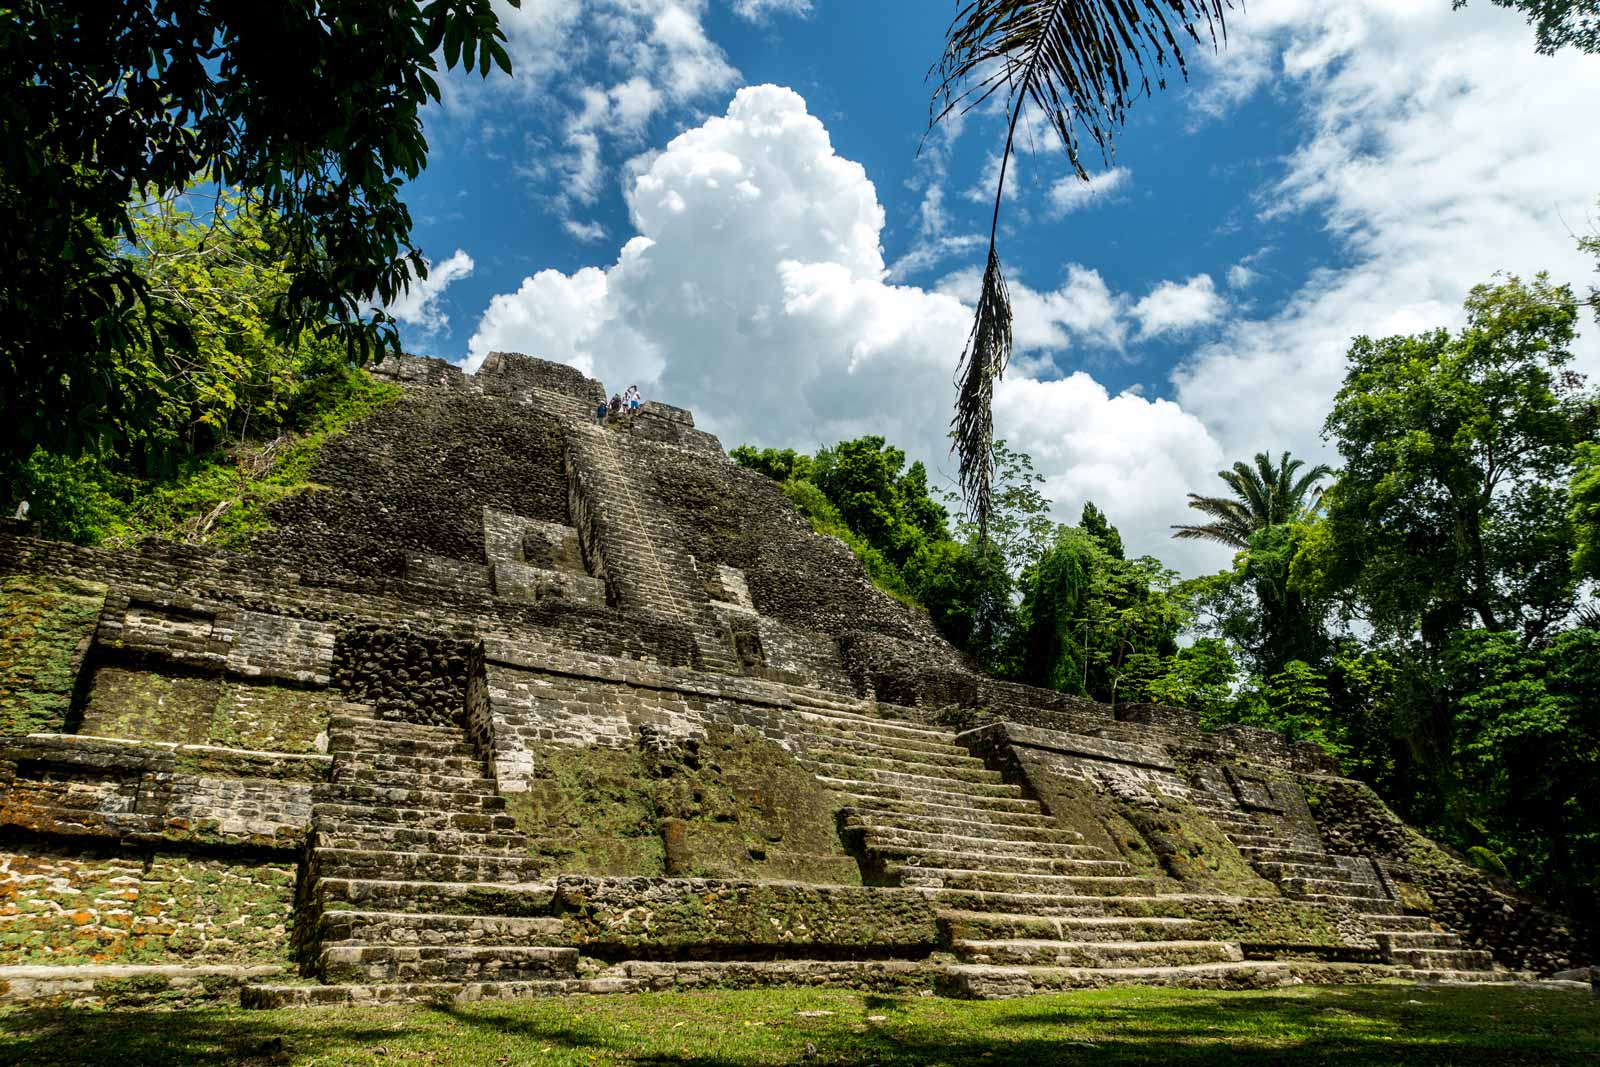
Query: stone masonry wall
[66, 906]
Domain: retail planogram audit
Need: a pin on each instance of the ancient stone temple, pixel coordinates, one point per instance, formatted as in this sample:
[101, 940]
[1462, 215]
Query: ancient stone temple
[512, 703]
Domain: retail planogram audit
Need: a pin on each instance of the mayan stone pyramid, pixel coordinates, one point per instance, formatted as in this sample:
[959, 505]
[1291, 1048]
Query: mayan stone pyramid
[515, 703]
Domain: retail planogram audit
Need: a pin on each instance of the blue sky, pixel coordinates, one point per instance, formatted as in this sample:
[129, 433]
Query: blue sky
[723, 201]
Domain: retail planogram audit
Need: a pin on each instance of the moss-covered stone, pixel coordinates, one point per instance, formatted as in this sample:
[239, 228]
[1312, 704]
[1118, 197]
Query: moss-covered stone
[66, 907]
[145, 705]
[729, 805]
[688, 918]
[735, 805]
[271, 718]
[1487, 912]
[591, 811]
[46, 624]
[1193, 850]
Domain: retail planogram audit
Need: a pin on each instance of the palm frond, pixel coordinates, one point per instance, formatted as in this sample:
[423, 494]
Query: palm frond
[1266, 494]
[982, 362]
[1074, 61]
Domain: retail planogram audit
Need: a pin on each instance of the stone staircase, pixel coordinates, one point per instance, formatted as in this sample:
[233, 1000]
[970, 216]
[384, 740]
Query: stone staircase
[417, 882]
[648, 567]
[1297, 861]
[1023, 904]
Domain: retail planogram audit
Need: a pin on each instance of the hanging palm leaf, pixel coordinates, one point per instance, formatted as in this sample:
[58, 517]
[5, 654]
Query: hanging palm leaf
[1074, 62]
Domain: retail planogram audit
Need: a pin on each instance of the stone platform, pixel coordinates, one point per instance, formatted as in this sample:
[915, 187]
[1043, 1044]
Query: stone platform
[521, 705]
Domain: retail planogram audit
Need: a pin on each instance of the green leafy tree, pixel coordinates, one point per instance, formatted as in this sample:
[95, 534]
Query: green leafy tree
[1019, 521]
[1584, 511]
[881, 500]
[217, 408]
[1097, 526]
[1528, 752]
[313, 109]
[1076, 66]
[1450, 510]
[780, 465]
[1266, 517]
[1558, 23]
[1096, 625]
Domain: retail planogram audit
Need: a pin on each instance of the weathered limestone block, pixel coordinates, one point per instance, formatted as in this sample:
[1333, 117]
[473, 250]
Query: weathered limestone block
[1487, 915]
[699, 918]
[529, 584]
[46, 625]
[125, 791]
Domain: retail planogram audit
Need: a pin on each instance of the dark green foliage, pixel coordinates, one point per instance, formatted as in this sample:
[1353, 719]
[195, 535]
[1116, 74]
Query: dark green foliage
[1558, 23]
[1527, 741]
[312, 109]
[1098, 625]
[1584, 512]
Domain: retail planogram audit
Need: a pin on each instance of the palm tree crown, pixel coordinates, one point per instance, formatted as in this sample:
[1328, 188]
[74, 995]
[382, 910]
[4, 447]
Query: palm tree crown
[1265, 495]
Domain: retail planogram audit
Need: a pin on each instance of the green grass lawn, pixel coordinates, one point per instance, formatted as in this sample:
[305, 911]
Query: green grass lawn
[1349, 1025]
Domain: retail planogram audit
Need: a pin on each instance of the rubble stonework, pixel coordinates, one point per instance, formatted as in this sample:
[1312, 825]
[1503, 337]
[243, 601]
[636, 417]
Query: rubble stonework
[514, 703]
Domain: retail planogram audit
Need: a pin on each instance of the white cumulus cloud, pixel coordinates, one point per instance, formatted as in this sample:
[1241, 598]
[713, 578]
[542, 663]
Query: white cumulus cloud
[1073, 193]
[756, 293]
[1440, 149]
[758, 10]
[418, 306]
[1174, 307]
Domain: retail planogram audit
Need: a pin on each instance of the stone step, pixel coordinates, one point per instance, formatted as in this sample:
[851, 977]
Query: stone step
[1000, 926]
[391, 963]
[1258, 855]
[1401, 924]
[1033, 953]
[365, 742]
[1280, 871]
[1442, 959]
[822, 734]
[266, 997]
[1070, 905]
[988, 982]
[1301, 842]
[914, 815]
[422, 866]
[1448, 977]
[510, 899]
[882, 838]
[401, 928]
[972, 772]
[359, 764]
[829, 701]
[397, 797]
[996, 862]
[871, 726]
[366, 836]
[911, 752]
[1001, 882]
[1364, 906]
[868, 791]
[1320, 887]
[447, 783]
[389, 729]
[1393, 940]
[988, 786]
[415, 818]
